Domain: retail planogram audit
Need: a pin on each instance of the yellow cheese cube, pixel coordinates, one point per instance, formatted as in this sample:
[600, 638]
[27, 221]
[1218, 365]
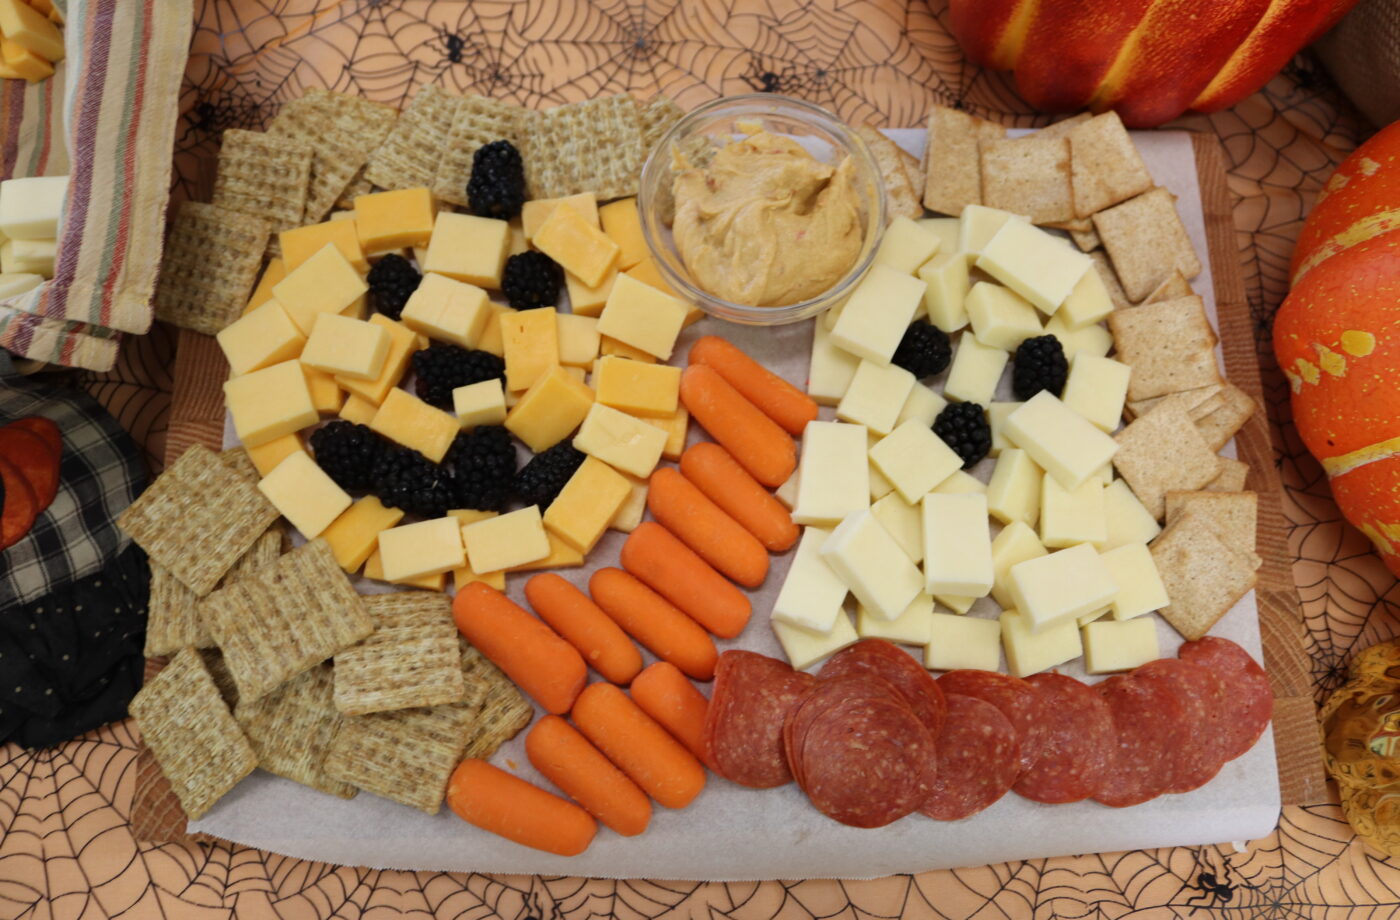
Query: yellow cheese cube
[386, 221]
[588, 501]
[530, 339]
[639, 315]
[466, 516]
[27, 27]
[346, 347]
[301, 243]
[407, 420]
[355, 534]
[535, 213]
[326, 394]
[609, 346]
[269, 403]
[621, 440]
[28, 257]
[622, 222]
[482, 403]
[550, 410]
[448, 310]
[646, 272]
[957, 642]
[469, 248]
[506, 540]
[491, 338]
[304, 494]
[357, 409]
[1030, 651]
[578, 339]
[465, 576]
[344, 215]
[1140, 588]
[561, 556]
[637, 388]
[677, 426]
[262, 337]
[276, 270]
[22, 63]
[585, 300]
[1119, 645]
[805, 648]
[629, 515]
[267, 455]
[578, 246]
[518, 242]
[374, 568]
[324, 283]
[425, 548]
[402, 344]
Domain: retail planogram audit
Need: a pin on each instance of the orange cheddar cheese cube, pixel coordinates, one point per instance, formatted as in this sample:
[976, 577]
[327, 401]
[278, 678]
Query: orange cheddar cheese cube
[646, 272]
[304, 494]
[561, 556]
[354, 535]
[550, 410]
[324, 283]
[357, 409]
[269, 403]
[491, 340]
[638, 388]
[261, 338]
[403, 342]
[530, 340]
[465, 576]
[374, 568]
[518, 242]
[407, 420]
[326, 394]
[469, 248]
[448, 310]
[339, 345]
[639, 315]
[425, 548]
[579, 247]
[622, 222]
[27, 27]
[505, 541]
[267, 455]
[585, 300]
[301, 243]
[588, 501]
[24, 63]
[386, 221]
[676, 426]
[535, 213]
[276, 270]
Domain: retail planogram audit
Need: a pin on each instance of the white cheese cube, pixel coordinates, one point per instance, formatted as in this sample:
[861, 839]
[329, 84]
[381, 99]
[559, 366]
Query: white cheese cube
[945, 296]
[996, 418]
[1091, 339]
[922, 405]
[787, 492]
[1096, 388]
[960, 483]
[975, 372]
[875, 396]
[1062, 586]
[15, 283]
[1111, 645]
[864, 555]
[1128, 520]
[1088, 303]
[956, 642]
[978, 224]
[905, 522]
[1014, 491]
[579, 339]
[31, 206]
[914, 460]
[956, 602]
[1104, 475]
[957, 545]
[879, 310]
[879, 485]
[832, 479]
[1032, 651]
[911, 627]
[945, 228]
[812, 593]
[1017, 542]
[1040, 267]
[1096, 615]
[831, 368]
[480, 403]
[804, 648]
[1071, 516]
[1061, 440]
[1140, 588]
[905, 246]
[1000, 317]
[28, 257]
[630, 513]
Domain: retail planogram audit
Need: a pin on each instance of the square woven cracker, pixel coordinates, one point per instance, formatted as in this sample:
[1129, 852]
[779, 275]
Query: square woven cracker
[342, 131]
[1163, 452]
[198, 518]
[1087, 240]
[1146, 240]
[1169, 345]
[239, 462]
[292, 729]
[1105, 166]
[358, 186]
[1234, 515]
[261, 555]
[899, 192]
[1110, 280]
[1173, 287]
[1232, 477]
[409, 155]
[1221, 425]
[593, 146]
[1204, 576]
[478, 121]
[287, 618]
[1028, 175]
[172, 618]
[1198, 403]
[953, 177]
[657, 115]
[409, 661]
[263, 175]
[407, 756]
[218, 670]
[200, 748]
[500, 710]
[211, 261]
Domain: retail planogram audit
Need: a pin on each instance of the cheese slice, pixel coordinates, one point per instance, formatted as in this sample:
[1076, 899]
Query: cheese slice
[975, 372]
[639, 315]
[833, 481]
[267, 455]
[1060, 440]
[394, 220]
[325, 283]
[1140, 588]
[346, 347]
[550, 410]
[536, 212]
[507, 540]
[830, 370]
[587, 503]
[945, 297]
[622, 222]
[1030, 651]
[260, 338]
[1062, 586]
[408, 420]
[621, 440]
[1111, 645]
[577, 245]
[914, 460]
[906, 246]
[481, 403]
[913, 626]
[1041, 268]
[301, 243]
[878, 312]
[448, 310]
[468, 248]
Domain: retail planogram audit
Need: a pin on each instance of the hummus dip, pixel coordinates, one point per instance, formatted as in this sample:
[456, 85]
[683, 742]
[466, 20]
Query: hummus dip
[765, 223]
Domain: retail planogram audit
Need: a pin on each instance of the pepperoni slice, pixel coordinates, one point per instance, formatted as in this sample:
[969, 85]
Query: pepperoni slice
[887, 660]
[1149, 725]
[20, 508]
[978, 760]
[744, 724]
[1248, 703]
[1021, 705]
[825, 698]
[1202, 693]
[44, 428]
[31, 456]
[1077, 745]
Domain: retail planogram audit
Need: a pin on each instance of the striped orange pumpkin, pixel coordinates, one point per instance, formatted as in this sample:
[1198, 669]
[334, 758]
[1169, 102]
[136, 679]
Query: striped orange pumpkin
[1337, 338]
[1150, 60]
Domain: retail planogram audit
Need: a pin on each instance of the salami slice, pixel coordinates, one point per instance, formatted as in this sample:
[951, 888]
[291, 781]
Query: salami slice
[978, 760]
[825, 698]
[1249, 700]
[1199, 756]
[1078, 742]
[20, 508]
[1149, 724]
[30, 454]
[889, 661]
[744, 723]
[1021, 705]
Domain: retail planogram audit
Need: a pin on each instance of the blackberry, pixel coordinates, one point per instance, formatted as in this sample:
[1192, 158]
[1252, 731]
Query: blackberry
[924, 350]
[482, 463]
[497, 185]
[540, 482]
[963, 427]
[441, 368]
[1040, 365]
[392, 280]
[404, 478]
[532, 279]
[348, 453]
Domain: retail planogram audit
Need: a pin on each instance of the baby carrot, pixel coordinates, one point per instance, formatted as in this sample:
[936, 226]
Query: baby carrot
[496, 801]
[726, 484]
[543, 665]
[640, 748]
[755, 440]
[706, 528]
[781, 401]
[664, 694]
[671, 569]
[601, 642]
[569, 761]
[650, 619]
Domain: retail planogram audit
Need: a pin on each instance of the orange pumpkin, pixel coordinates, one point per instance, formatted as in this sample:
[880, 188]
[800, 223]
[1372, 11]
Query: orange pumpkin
[1150, 60]
[1337, 338]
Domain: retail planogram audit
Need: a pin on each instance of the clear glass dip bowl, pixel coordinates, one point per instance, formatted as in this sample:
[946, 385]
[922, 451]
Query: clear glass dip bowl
[715, 124]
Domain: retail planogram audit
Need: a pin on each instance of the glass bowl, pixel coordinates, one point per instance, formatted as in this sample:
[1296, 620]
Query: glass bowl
[715, 124]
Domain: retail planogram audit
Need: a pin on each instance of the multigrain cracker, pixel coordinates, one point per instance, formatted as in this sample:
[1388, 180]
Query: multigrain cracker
[899, 192]
[342, 131]
[172, 622]
[954, 174]
[1231, 478]
[1203, 575]
[410, 661]
[218, 670]
[592, 146]
[263, 175]
[1028, 175]
[657, 116]
[1086, 240]
[1234, 515]
[292, 728]
[198, 518]
[406, 756]
[262, 554]
[1110, 280]
[1162, 452]
[1105, 166]
[914, 172]
[1146, 240]
[200, 748]
[1173, 287]
[1198, 403]
[1169, 345]
[240, 463]
[211, 260]
[1221, 425]
[358, 186]
[409, 155]
[478, 121]
[500, 710]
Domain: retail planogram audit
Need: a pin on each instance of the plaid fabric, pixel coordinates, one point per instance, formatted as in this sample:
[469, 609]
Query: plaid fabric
[100, 474]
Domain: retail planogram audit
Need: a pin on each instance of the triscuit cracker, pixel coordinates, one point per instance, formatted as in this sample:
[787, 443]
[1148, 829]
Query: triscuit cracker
[407, 756]
[1162, 452]
[1087, 240]
[478, 121]
[261, 555]
[1204, 576]
[263, 175]
[501, 710]
[200, 748]
[358, 186]
[953, 176]
[1173, 287]
[1028, 175]
[409, 155]
[1198, 403]
[211, 261]
[292, 728]
[239, 462]
[1105, 165]
[287, 618]
[657, 115]
[218, 670]
[1146, 240]
[198, 518]
[1234, 515]
[1169, 345]
[410, 661]
[592, 146]
[1221, 425]
[1110, 280]
[342, 131]
[1232, 477]
[899, 192]
[172, 620]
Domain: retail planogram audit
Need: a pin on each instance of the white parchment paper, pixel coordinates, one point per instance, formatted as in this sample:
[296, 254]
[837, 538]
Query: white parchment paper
[733, 833]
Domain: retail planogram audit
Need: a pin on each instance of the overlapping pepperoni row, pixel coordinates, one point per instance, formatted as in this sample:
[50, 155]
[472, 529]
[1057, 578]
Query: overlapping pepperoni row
[873, 737]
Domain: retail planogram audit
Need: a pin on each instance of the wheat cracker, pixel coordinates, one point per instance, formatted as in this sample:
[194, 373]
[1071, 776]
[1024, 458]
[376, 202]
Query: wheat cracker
[1162, 452]
[500, 710]
[342, 131]
[1064, 126]
[218, 670]
[592, 146]
[409, 155]
[478, 121]
[1232, 477]
[657, 115]
[292, 729]
[410, 661]
[172, 621]
[1198, 403]
[1105, 166]
[1225, 422]
[407, 755]
[1175, 285]
[1203, 575]
[1146, 240]
[1110, 280]
[953, 171]
[1028, 175]
[899, 191]
[1088, 241]
[1234, 515]
[211, 261]
[1170, 346]
[263, 175]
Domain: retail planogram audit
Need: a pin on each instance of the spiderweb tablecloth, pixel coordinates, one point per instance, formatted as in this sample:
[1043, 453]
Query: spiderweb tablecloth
[66, 842]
